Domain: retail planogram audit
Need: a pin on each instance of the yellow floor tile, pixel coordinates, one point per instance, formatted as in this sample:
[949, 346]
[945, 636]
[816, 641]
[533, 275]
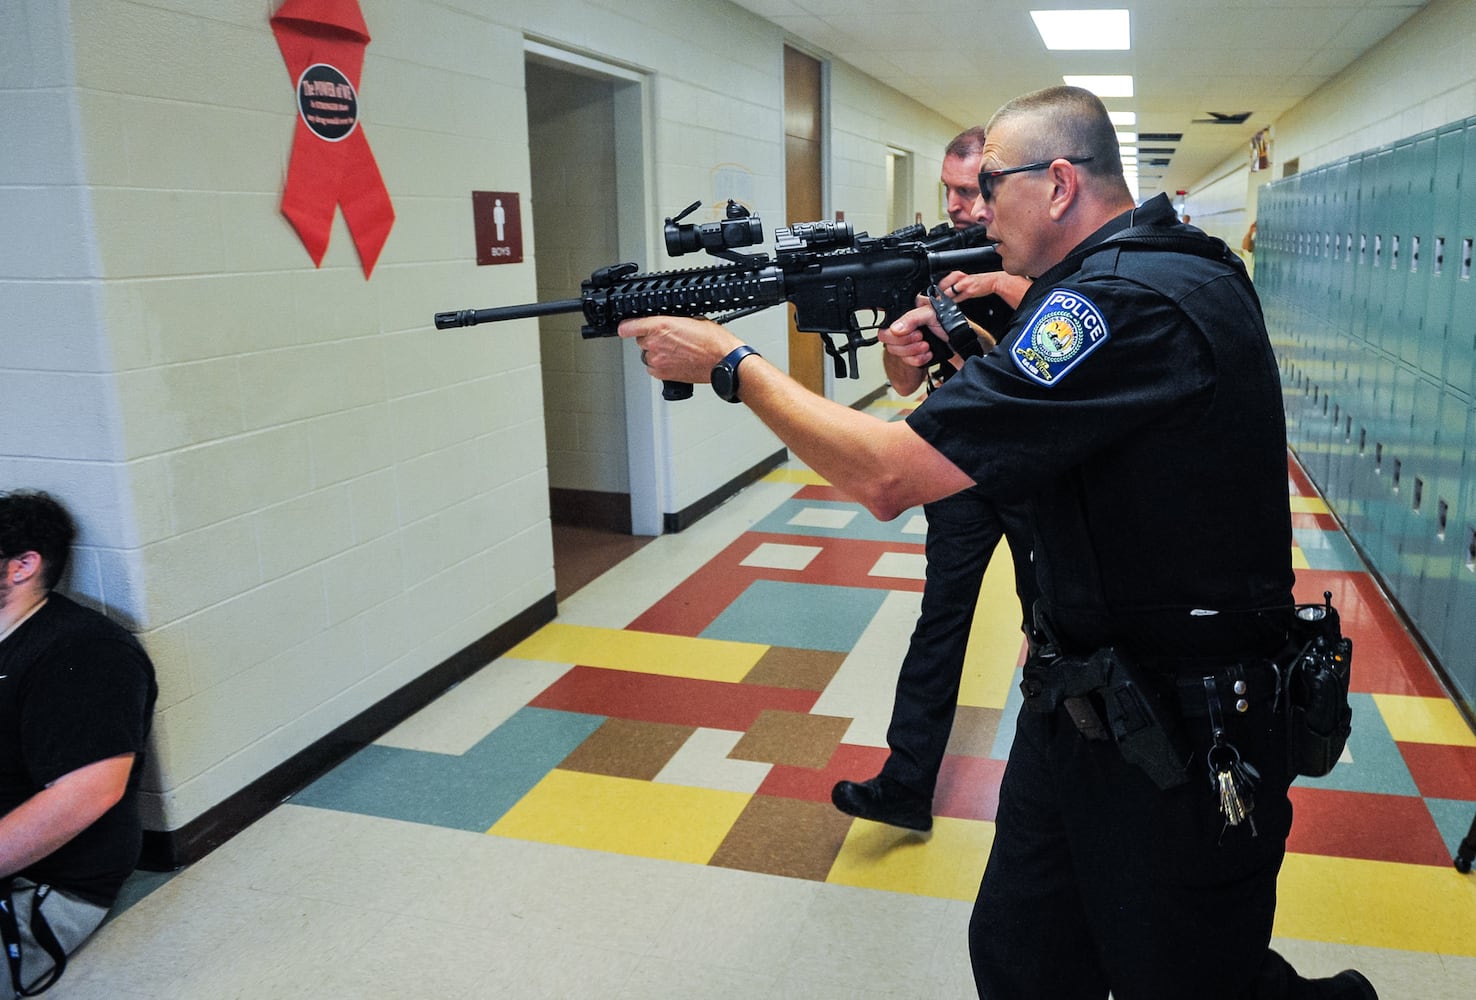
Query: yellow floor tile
[1309, 505]
[1413, 719]
[1299, 558]
[995, 639]
[1380, 904]
[948, 863]
[641, 652]
[804, 477]
[624, 816]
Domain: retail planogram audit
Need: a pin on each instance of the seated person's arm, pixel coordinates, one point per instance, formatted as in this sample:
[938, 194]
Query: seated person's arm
[53, 816]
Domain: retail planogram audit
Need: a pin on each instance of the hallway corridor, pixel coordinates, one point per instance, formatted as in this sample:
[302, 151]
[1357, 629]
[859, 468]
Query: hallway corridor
[634, 801]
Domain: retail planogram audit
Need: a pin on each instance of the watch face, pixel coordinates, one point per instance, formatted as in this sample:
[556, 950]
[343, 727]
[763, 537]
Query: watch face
[722, 381]
[724, 376]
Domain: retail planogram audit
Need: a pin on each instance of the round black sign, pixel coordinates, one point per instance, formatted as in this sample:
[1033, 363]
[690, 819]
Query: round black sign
[327, 102]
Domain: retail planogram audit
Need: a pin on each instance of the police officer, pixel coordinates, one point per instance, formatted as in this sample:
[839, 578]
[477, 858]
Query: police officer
[963, 532]
[1136, 403]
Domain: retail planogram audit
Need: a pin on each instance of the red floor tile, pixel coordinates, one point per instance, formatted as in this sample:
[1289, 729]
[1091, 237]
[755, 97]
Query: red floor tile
[1301, 483]
[823, 492]
[695, 603]
[1441, 771]
[968, 788]
[1385, 657]
[677, 700]
[850, 763]
[1361, 825]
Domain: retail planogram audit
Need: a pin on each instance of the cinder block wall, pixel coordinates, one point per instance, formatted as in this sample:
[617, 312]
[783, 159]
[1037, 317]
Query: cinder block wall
[301, 495]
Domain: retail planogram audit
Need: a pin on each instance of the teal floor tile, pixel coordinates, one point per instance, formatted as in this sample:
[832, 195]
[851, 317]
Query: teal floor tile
[466, 792]
[801, 615]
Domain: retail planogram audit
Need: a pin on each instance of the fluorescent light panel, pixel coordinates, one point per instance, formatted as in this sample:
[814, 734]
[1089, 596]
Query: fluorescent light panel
[1102, 86]
[1083, 30]
[1128, 118]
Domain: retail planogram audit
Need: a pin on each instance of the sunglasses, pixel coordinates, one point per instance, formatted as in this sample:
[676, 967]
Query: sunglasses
[987, 177]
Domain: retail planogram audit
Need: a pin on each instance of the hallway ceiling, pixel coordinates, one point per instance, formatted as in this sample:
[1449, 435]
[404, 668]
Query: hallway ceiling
[1190, 60]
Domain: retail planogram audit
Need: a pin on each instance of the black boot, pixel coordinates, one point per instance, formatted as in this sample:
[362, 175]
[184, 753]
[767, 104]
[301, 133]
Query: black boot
[1279, 981]
[883, 800]
[1350, 984]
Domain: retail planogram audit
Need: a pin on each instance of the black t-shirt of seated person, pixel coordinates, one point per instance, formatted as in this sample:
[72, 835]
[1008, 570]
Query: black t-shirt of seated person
[75, 688]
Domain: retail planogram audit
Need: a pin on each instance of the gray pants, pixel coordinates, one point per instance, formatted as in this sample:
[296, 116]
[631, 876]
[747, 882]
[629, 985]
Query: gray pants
[70, 918]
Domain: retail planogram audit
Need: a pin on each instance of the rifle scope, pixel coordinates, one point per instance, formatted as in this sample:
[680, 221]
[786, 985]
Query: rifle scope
[739, 229]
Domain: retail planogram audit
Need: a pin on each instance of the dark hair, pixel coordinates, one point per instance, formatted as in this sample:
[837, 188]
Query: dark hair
[966, 144]
[1067, 121]
[32, 521]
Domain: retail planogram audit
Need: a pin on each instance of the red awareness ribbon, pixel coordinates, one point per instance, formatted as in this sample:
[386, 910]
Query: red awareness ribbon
[323, 43]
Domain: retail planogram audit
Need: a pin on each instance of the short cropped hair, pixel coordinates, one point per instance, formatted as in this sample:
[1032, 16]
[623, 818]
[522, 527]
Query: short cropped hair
[966, 144]
[33, 521]
[1068, 121]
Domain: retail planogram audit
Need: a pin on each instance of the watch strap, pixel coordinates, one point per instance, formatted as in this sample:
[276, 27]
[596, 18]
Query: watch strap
[727, 369]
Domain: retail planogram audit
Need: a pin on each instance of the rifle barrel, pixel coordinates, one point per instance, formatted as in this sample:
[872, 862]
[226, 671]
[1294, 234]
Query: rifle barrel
[471, 317]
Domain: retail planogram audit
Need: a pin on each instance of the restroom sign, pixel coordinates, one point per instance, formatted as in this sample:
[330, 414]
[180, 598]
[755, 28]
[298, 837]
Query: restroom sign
[499, 227]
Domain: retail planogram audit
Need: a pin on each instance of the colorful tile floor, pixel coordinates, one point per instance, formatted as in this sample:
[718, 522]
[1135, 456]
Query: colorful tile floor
[634, 802]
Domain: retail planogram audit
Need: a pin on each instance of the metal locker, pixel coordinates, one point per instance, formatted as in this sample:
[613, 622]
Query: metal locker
[1408, 264]
[1457, 649]
[1460, 343]
[1445, 196]
[1441, 513]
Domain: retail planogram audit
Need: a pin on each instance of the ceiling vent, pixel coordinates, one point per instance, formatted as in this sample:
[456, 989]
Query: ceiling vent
[1219, 118]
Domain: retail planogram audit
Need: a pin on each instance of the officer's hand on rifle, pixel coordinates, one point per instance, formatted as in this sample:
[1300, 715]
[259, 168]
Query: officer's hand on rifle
[680, 348]
[904, 338]
[1010, 287]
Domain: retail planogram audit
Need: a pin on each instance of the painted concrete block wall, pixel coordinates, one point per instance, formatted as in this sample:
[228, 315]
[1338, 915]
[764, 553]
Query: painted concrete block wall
[299, 493]
[571, 123]
[328, 497]
[864, 122]
[1422, 76]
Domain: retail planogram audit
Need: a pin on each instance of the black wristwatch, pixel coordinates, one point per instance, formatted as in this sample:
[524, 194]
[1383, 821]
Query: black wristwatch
[725, 373]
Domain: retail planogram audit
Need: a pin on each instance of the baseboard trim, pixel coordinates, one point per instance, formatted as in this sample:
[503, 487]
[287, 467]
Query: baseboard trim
[167, 850]
[685, 518]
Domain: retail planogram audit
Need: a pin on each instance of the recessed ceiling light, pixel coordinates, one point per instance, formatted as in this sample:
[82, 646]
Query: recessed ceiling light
[1126, 138]
[1102, 86]
[1123, 117]
[1083, 29]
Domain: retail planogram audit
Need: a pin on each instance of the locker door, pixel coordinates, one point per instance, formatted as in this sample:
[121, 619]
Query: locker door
[1441, 516]
[1435, 258]
[1457, 651]
[1461, 342]
[1412, 272]
[1374, 246]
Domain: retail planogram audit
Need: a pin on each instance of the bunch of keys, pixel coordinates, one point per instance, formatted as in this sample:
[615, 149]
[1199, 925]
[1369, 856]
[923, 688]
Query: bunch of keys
[1231, 777]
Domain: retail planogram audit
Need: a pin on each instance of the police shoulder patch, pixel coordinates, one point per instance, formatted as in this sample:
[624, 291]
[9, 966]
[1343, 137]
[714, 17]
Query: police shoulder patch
[1064, 330]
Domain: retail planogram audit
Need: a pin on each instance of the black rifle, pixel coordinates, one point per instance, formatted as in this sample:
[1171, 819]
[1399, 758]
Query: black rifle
[825, 269]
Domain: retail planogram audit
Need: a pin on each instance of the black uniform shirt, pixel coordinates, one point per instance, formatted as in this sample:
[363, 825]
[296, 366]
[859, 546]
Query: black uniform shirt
[1136, 403]
[75, 689]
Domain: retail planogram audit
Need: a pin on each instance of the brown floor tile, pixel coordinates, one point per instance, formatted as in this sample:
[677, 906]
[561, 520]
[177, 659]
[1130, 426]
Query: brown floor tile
[794, 738]
[974, 731]
[583, 553]
[790, 837]
[622, 748]
[800, 669]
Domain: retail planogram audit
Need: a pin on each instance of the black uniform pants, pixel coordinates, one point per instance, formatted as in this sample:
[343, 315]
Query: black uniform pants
[963, 531]
[1097, 880]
